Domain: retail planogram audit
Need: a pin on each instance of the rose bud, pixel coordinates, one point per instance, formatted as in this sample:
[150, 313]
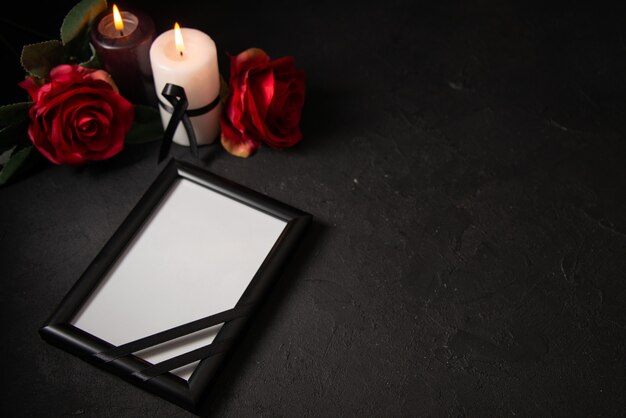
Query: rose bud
[264, 105]
[78, 116]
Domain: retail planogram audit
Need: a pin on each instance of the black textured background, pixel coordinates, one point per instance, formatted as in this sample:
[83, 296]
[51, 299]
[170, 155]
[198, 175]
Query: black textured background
[464, 162]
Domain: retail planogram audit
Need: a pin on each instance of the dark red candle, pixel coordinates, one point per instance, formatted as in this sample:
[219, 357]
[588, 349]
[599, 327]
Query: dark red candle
[124, 51]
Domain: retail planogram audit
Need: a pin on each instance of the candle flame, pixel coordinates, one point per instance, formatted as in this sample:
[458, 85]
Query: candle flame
[178, 38]
[117, 19]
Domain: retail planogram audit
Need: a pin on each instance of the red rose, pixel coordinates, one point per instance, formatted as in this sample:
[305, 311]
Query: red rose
[264, 105]
[78, 116]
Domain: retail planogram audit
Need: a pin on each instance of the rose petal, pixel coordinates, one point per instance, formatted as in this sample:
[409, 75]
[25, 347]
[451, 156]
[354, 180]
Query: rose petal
[65, 73]
[124, 113]
[262, 90]
[101, 140]
[284, 114]
[284, 64]
[101, 75]
[35, 133]
[247, 59]
[86, 126]
[114, 147]
[278, 103]
[235, 143]
[30, 86]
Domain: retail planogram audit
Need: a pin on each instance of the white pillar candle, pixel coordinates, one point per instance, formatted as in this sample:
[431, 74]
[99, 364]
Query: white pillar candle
[195, 68]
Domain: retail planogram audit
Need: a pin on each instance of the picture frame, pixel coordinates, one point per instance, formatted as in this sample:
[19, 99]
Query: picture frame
[173, 289]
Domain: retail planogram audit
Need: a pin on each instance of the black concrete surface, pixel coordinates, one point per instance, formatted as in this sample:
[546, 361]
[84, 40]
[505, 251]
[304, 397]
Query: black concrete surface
[465, 164]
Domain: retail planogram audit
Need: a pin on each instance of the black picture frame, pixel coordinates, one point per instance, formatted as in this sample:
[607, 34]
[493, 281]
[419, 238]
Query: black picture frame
[188, 394]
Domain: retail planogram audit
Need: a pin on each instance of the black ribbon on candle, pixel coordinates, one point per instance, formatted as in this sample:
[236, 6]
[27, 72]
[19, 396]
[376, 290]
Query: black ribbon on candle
[175, 94]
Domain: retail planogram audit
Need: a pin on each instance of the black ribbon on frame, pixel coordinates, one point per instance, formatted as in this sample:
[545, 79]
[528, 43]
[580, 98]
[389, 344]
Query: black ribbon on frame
[177, 97]
[149, 372]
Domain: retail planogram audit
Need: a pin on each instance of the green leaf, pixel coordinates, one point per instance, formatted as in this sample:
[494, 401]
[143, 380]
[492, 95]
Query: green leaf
[93, 61]
[80, 17]
[13, 113]
[78, 51]
[11, 135]
[38, 59]
[6, 155]
[147, 126]
[19, 163]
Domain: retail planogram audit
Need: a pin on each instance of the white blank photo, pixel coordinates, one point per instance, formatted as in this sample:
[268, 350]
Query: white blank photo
[194, 257]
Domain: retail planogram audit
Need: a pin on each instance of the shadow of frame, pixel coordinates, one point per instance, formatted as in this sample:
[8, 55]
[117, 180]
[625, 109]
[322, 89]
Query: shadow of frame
[216, 395]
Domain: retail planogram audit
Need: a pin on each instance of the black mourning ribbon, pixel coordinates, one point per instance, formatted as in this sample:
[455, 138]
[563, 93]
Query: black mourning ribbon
[153, 340]
[177, 97]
